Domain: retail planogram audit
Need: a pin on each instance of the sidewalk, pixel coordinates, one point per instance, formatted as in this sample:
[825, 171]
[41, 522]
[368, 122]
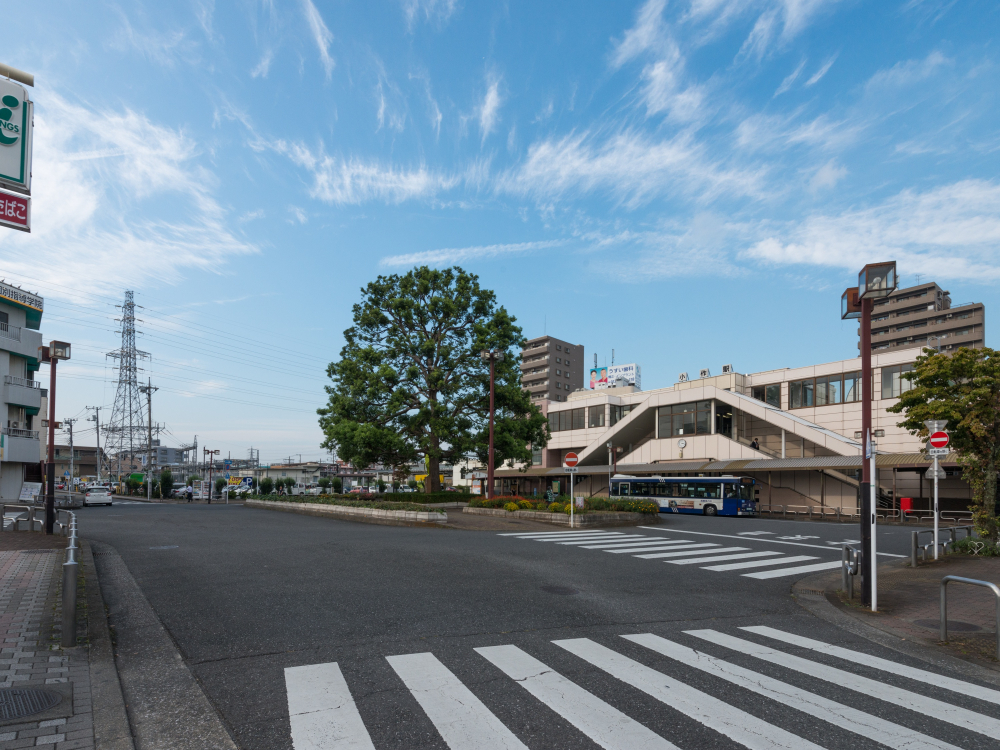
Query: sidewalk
[31, 657]
[909, 605]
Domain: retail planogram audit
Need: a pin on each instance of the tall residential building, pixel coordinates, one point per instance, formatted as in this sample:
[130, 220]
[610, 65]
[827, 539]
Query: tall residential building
[923, 315]
[551, 368]
[20, 318]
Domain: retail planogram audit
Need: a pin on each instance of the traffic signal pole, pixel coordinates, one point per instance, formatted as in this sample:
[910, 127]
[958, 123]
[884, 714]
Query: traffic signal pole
[867, 509]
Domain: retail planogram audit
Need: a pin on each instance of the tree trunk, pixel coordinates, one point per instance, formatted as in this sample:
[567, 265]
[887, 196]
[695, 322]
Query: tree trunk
[432, 483]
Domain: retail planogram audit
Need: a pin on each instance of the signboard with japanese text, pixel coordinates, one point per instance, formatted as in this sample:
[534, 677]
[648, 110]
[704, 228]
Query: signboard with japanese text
[608, 377]
[15, 211]
[16, 119]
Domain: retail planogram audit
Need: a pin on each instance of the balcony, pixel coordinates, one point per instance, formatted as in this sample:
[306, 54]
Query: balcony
[23, 393]
[10, 332]
[21, 445]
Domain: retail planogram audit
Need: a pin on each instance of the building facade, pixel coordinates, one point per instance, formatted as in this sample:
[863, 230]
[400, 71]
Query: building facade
[20, 445]
[923, 315]
[551, 369]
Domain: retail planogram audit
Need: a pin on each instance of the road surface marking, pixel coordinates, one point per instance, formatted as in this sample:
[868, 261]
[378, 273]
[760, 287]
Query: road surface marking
[584, 538]
[602, 723]
[845, 717]
[620, 539]
[867, 660]
[609, 545]
[647, 547]
[718, 551]
[322, 712]
[738, 725]
[741, 538]
[529, 535]
[742, 556]
[794, 571]
[754, 533]
[760, 563]
[960, 717]
[458, 715]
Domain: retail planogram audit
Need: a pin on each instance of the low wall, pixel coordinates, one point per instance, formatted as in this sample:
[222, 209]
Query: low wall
[591, 518]
[348, 513]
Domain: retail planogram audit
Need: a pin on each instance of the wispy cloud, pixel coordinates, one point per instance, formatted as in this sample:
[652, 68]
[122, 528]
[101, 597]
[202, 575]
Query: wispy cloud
[827, 176]
[786, 84]
[949, 232]
[907, 73]
[489, 110]
[646, 35]
[321, 35]
[165, 48]
[437, 10]
[447, 256]
[818, 75]
[264, 66]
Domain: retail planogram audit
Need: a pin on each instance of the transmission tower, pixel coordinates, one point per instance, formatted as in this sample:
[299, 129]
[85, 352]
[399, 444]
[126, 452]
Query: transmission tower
[127, 432]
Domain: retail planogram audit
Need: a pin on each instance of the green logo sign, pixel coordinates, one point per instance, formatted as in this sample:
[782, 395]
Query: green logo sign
[9, 131]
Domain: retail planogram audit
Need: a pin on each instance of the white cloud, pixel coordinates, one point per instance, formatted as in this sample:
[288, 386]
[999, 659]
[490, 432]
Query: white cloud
[646, 35]
[162, 47]
[790, 79]
[907, 73]
[949, 232]
[204, 10]
[663, 91]
[297, 215]
[489, 110]
[264, 66]
[760, 36]
[627, 165]
[354, 181]
[115, 190]
[824, 69]
[321, 35]
[251, 215]
[827, 176]
[448, 256]
[440, 10]
[545, 112]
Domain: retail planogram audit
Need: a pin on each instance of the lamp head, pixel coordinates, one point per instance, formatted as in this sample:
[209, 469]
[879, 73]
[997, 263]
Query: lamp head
[877, 280]
[59, 350]
[850, 305]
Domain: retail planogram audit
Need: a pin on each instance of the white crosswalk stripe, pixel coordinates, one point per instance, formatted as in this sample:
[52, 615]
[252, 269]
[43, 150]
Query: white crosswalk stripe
[323, 714]
[686, 551]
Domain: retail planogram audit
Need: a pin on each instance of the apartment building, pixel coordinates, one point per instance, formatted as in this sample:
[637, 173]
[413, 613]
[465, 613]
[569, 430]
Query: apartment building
[20, 447]
[84, 461]
[923, 315]
[551, 368]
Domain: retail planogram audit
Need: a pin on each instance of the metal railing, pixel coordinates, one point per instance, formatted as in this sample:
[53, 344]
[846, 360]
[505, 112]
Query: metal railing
[953, 533]
[70, 573]
[16, 432]
[944, 604]
[10, 332]
[24, 383]
[850, 564]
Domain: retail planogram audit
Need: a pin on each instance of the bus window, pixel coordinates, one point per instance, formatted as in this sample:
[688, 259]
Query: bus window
[685, 490]
[620, 488]
[729, 491]
[643, 489]
[747, 492]
[706, 491]
[665, 490]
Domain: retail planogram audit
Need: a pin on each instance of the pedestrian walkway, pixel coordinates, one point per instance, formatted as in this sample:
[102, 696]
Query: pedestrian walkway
[32, 660]
[813, 694]
[759, 564]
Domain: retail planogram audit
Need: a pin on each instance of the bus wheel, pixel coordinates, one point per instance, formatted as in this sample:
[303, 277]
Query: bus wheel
[710, 510]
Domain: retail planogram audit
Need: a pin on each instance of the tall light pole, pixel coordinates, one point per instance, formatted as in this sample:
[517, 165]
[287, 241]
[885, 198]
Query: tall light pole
[52, 353]
[211, 465]
[876, 280]
[492, 356]
[96, 419]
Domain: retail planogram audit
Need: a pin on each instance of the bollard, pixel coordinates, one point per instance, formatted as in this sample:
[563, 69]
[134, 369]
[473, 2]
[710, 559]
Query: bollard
[69, 600]
[843, 567]
[913, 549]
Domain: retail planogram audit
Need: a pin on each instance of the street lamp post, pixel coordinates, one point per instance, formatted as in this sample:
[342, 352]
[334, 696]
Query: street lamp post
[492, 356]
[875, 281]
[211, 465]
[52, 353]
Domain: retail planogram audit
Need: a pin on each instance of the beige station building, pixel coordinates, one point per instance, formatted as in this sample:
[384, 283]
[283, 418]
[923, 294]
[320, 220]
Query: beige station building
[796, 431]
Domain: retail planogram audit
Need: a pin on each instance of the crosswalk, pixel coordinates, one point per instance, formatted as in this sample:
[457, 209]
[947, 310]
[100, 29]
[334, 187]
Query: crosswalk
[907, 711]
[706, 555]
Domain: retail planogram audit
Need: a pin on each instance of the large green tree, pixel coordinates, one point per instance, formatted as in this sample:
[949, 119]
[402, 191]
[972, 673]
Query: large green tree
[410, 383]
[964, 389]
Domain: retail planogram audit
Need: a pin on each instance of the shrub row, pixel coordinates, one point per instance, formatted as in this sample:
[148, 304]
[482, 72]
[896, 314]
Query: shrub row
[510, 503]
[977, 547]
[350, 503]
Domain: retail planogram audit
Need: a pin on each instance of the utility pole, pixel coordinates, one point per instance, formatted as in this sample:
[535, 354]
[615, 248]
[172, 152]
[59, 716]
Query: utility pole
[148, 390]
[69, 424]
[96, 419]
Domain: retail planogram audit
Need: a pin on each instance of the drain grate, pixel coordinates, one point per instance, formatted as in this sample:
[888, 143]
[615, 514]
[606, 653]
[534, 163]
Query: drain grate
[16, 703]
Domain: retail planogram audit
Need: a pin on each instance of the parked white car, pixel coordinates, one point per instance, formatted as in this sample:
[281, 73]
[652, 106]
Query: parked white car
[97, 496]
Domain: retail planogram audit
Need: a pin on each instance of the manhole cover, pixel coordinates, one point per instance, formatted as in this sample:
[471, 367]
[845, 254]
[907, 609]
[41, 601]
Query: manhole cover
[561, 590]
[15, 703]
[166, 546]
[957, 625]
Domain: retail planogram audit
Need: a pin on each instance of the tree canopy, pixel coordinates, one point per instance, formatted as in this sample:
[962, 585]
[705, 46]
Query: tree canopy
[410, 383]
[964, 389]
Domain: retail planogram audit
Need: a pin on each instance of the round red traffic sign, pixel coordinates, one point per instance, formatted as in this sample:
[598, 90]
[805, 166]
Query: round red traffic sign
[571, 459]
[939, 440]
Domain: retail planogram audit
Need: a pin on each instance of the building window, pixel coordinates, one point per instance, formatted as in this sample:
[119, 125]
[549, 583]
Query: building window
[620, 412]
[828, 390]
[893, 384]
[536, 456]
[801, 393]
[570, 419]
[769, 394]
[558, 385]
[558, 347]
[596, 416]
[558, 361]
[685, 419]
[852, 387]
[558, 372]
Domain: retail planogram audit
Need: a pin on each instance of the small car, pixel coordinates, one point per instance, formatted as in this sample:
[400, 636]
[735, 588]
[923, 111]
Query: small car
[97, 496]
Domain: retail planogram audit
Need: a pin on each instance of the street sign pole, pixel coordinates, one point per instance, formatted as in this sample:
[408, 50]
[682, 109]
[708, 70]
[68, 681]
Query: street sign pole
[572, 502]
[937, 446]
[570, 460]
[935, 507]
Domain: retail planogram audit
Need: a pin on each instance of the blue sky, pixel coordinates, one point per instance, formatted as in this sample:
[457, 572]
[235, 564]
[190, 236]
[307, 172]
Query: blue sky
[690, 183]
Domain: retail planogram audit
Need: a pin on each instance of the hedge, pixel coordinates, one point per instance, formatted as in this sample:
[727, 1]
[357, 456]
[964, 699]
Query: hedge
[589, 505]
[341, 501]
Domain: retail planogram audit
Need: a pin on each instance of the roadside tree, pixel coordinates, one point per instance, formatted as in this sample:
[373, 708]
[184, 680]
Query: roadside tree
[324, 484]
[964, 389]
[410, 384]
[219, 484]
[166, 483]
[266, 486]
[338, 485]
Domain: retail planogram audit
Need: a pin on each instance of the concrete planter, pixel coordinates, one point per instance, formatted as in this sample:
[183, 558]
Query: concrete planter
[562, 519]
[348, 513]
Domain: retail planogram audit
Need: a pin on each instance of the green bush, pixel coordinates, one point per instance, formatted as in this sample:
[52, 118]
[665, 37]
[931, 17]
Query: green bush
[510, 507]
[977, 547]
[338, 485]
[350, 502]
[525, 505]
[556, 508]
[266, 486]
[620, 506]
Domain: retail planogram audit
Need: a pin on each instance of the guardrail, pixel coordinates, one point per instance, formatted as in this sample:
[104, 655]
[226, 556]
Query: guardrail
[840, 514]
[34, 516]
[953, 533]
[973, 582]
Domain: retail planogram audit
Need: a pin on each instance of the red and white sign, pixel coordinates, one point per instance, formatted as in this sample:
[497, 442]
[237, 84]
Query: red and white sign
[15, 211]
[939, 440]
[571, 459]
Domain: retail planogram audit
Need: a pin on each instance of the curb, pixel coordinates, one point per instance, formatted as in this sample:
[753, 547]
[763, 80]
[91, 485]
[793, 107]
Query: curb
[165, 704]
[813, 595]
[364, 515]
[562, 519]
[111, 728]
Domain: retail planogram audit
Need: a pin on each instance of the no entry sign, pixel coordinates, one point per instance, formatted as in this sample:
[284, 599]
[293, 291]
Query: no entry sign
[571, 459]
[939, 440]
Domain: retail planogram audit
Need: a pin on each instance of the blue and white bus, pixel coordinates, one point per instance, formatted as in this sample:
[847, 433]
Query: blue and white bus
[710, 496]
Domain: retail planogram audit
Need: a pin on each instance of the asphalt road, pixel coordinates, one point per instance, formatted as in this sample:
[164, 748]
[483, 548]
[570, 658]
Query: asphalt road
[246, 594]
